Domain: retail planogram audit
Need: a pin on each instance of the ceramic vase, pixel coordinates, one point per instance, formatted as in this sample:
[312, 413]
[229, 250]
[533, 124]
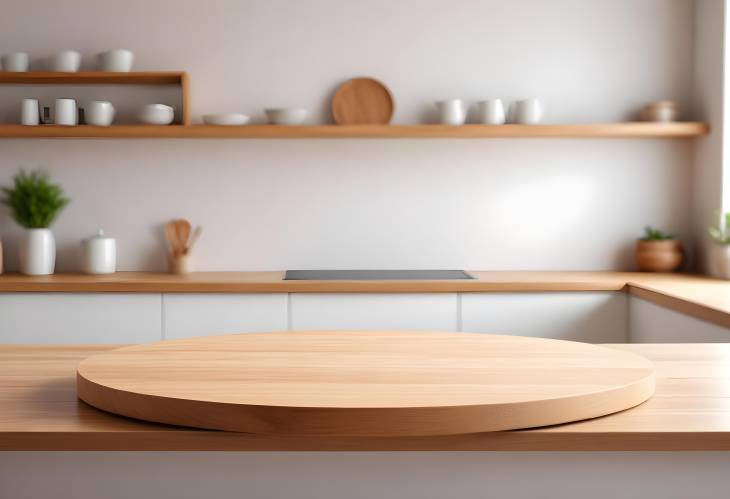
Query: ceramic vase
[37, 252]
[659, 256]
[720, 261]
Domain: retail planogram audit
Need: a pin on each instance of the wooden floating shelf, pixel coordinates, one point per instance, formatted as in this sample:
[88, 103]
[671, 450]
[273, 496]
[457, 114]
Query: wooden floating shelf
[94, 78]
[605, 130]
[176, 78]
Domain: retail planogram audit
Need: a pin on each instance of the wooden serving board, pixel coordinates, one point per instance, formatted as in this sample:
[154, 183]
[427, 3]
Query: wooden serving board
[347, 383]
[362, 101]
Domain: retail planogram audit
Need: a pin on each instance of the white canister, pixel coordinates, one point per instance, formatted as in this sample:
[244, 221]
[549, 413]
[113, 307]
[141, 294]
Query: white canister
[67, 61]
[16, 62]
[528, 111]
[65, 112]
[30, 112]
[491, 112]
[100, 113]
[99, 254]
[119, 60]
[37, 252]
[451, 111]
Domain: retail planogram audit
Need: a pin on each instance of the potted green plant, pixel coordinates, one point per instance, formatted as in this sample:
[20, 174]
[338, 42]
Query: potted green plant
[720, 234]
[658, 252]
[34, 203]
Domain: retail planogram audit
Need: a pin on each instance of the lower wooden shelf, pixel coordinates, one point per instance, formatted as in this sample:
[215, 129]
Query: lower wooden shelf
[601, 130]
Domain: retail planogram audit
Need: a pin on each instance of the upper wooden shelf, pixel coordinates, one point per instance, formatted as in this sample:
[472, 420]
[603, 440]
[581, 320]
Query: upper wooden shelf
[94, 78]
[605, 130]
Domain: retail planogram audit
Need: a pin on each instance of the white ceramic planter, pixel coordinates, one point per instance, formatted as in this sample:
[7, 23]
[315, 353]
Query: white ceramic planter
[720, 261]
[37, 252]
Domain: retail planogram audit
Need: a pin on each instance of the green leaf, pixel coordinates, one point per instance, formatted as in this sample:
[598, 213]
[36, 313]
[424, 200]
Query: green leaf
[33, 200]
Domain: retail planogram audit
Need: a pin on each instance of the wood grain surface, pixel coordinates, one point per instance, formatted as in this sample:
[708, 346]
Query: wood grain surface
[690, 410]
[385, 383]
[603, 130]
[362, 101]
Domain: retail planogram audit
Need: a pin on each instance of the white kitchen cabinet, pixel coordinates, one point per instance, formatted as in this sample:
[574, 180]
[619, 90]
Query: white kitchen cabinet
[652, 323]
[593, 317]
[424, 311]
[79, 318]
[187, 315]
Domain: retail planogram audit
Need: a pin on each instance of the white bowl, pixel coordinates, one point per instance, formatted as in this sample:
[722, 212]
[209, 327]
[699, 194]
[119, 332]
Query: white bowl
[286, 116]
[157, 114]
[229, 119]
[119, 60]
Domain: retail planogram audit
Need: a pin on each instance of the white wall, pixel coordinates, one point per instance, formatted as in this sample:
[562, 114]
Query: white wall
[547, 204]
[709, 82]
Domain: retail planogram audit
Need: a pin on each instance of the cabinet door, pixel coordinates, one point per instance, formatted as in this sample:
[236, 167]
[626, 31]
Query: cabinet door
[652, 323]
[79, 318]
[593, 317]
[425, 311]
[189, 315]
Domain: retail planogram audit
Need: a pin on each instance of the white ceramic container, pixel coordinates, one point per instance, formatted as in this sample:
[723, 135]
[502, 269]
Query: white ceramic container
[286, 116]
[65, 112]
[99, 254]
[99, 113]
[228, 119]
[37, 252]
[30, 112]
[16, 62]
[451, 111]
[67, 61]
[119, 60]
[157, 114]
[491, 112]
[528, 111]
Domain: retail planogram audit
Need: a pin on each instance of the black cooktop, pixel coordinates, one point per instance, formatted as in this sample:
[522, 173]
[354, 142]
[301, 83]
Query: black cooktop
[374, 275]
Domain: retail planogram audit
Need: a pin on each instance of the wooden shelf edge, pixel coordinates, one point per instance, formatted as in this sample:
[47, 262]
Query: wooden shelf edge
[605, 130]
[93, 78]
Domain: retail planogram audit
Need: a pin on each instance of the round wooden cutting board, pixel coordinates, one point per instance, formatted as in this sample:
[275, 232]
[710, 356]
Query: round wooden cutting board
[362, 101]
[347, 383]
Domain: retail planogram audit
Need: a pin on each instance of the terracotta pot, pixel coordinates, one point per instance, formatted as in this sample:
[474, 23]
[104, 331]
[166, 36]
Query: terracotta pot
[659, 256]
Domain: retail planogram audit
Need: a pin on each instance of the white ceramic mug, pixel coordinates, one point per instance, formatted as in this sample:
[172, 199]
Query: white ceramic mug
[491, 112]
[65, 112]
[30, 112]
[528, 111]
[119, 60]
[16, 62]
[99, 113]
[451, 112]
[67, 61]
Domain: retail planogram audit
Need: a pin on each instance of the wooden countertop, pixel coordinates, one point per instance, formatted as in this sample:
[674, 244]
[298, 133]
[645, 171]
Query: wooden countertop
[689, 411]
[698, 296]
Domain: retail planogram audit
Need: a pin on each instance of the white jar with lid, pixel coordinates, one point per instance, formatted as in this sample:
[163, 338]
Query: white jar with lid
[99, 254]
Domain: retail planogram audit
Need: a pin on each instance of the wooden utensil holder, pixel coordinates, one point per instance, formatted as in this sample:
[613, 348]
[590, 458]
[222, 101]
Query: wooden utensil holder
[179, 264]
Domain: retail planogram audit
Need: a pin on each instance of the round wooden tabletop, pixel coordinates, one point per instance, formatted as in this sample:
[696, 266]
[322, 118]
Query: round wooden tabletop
[347, 383]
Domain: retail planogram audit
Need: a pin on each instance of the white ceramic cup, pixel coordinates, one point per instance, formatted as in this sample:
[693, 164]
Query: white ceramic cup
[451, 111]
[16, 62]
[99, 113]
[30, 113]
[67, 61]
[491, 112]
[118, 60]
[528, 111]
[65, 112]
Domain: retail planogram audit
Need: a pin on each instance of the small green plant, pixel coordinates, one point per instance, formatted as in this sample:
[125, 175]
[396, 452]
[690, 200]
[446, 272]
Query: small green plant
[33, 200]
[720, 233]
[652, 234]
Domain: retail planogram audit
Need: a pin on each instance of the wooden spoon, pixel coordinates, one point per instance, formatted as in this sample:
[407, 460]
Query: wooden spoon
[193, 238]
[182, 227]
[171, 236]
